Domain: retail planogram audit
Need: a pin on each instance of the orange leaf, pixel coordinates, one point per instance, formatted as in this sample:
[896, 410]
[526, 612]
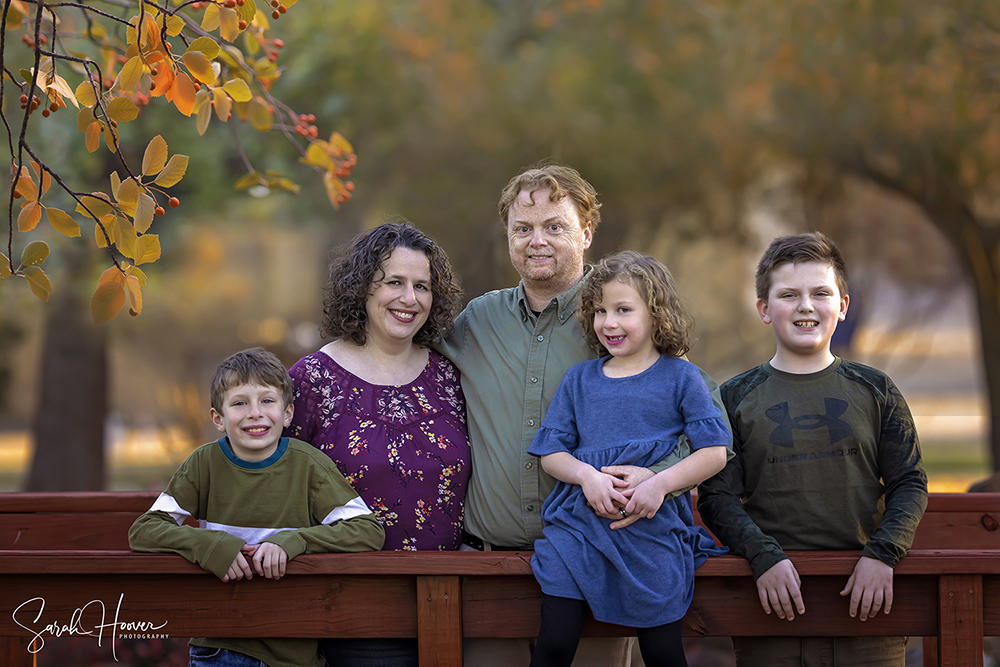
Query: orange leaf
[26, 186]
[29, 216]
[183, 94]
[134, 295]
[109, 298]
[164, 80]
[93, 137]
[199, 66]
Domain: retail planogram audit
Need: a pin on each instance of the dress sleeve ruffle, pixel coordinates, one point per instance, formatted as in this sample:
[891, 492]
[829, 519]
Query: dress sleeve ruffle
[552, 441]
[707, 433]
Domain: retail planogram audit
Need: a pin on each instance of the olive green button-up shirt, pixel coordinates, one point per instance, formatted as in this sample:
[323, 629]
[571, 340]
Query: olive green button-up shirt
[511, 363]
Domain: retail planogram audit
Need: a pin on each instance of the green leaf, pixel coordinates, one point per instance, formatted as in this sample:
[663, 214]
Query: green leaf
[38, 282]
[34, 253]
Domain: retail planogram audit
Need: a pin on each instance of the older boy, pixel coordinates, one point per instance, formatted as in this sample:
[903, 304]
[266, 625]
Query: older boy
[826, 458]
[260, 500]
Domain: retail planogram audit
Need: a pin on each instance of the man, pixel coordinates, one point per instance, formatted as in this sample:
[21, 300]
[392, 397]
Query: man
[513, 347]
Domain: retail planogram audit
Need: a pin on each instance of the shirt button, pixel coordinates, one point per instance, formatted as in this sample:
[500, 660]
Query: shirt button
[531, 422]
[540, 339]
[531, 508]
[534, 380]
[527, 465]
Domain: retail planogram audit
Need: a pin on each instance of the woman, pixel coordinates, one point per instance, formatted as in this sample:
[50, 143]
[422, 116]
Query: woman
[385, 407]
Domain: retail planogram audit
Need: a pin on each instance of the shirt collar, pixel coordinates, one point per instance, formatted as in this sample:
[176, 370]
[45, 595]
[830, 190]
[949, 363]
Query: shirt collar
[567, 303]
[252, 465]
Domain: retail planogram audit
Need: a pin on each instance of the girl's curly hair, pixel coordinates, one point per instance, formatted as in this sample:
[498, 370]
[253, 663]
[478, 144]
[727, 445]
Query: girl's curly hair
[359, 267]
[671, 323]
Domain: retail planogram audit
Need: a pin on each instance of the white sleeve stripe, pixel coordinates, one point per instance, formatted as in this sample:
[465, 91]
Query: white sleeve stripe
[249, 534]
[355, 507]
[166, 503]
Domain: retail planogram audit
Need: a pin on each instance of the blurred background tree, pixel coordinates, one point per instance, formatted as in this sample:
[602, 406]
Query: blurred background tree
[708, 127]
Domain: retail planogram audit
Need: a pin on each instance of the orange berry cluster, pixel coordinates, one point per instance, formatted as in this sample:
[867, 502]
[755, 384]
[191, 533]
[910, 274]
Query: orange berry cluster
[304, 126]
[279, 9]
[174, 202]
[343, 170]
[30, 42]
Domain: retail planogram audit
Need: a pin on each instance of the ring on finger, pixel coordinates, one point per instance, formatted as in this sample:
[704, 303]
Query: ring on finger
[623, 513]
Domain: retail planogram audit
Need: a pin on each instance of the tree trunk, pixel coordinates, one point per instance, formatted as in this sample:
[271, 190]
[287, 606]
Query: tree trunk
[69, 424]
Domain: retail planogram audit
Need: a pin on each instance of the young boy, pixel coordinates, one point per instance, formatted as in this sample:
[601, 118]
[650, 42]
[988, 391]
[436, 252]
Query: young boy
[260, 500]
[826, 458]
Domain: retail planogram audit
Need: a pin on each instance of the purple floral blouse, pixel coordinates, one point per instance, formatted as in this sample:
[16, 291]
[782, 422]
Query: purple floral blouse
[404, 448]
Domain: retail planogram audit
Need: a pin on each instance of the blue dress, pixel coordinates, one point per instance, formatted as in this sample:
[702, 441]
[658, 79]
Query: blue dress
[641, 576]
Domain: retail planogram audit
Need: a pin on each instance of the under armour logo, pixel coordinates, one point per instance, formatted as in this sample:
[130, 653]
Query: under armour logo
[782, 436]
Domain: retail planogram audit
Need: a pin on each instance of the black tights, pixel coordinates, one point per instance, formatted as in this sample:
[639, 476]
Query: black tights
[562, 625]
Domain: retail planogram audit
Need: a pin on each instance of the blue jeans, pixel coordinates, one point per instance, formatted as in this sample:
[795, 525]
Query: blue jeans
[370, 652]
[202, 656]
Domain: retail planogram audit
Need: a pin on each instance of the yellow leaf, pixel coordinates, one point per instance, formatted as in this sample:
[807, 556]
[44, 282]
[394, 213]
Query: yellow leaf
[111, 137]
[102, 234]
[58, 84]
[139, 275]
[34, 253]
[247, 11]
[147, 249]
[200, 66]
[285, 184]
[206, 46]
[29, 216]
[85, 94]
[38, 282]
[229, 21]
[184, 94]
[155, 156]
[62, 222]
[222, 104]
[14, 20]
[99, 204]
[134, 295]
[211, 19]
[122, 109]
[204, 116]
[261, 117]
[238, 90]
[116, 183]
[249, 180]
[317, 157]
[173, 172]
[340, 143]
[330, 182]
[128, 196]
[84, 118]
[250, 42]
[144, 212]
[5, 271]
[175, 25]
[125, 237]
[130, 76]
[93, 137]
[108, 299]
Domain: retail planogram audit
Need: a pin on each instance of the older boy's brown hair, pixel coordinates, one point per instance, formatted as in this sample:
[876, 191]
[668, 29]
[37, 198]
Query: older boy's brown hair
[561, 181]
[811, 247]
[671, 323]
[252, 366]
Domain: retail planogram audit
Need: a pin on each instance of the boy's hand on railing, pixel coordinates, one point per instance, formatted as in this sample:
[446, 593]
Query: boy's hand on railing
[871, 585]
[239, 569]
[779, 588]
[269, 560]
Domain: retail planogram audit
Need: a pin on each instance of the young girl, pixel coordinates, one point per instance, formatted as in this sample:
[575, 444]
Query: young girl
[625, 409]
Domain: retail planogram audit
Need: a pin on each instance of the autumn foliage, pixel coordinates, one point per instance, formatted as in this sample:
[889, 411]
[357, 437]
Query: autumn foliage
[206, 59]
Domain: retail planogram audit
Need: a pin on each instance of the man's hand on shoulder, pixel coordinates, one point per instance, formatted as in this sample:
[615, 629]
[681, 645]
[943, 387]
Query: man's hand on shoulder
[779, 588]
[871, 585]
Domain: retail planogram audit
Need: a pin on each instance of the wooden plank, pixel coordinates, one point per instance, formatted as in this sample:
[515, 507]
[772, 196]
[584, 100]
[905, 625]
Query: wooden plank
[930, 653]
[958, 530]
[439, 620]
[14, 652]
[963, 502]
[78, 501]
[991, 605]
[65, 531]
[960, 620]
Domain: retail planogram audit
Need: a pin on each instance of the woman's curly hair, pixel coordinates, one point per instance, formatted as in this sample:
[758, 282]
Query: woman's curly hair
[359, 267]
[671, 323]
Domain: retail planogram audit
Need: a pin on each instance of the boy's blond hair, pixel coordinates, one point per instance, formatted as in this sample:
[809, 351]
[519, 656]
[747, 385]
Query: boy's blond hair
[252, 366]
